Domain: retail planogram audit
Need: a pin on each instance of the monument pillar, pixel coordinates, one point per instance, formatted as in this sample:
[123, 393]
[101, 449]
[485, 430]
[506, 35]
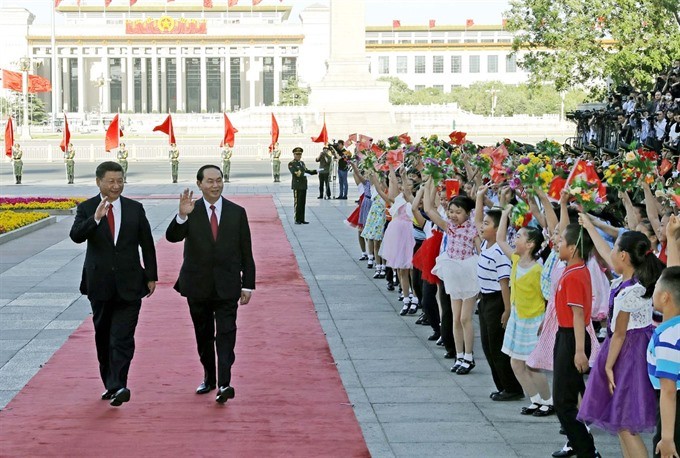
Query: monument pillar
[349, 96]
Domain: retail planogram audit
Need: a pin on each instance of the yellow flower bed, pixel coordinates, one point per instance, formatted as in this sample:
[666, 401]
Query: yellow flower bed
[10, 220]
[42, 204]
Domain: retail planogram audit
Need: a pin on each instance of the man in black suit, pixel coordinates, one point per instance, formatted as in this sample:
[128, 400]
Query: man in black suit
[218, 270]
[114, 279]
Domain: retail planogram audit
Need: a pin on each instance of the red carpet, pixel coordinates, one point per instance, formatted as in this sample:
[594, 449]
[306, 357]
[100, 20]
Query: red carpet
[289, 397]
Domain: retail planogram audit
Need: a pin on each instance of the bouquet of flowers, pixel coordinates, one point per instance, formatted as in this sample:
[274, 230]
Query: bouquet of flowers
[521, 215]
[482, 162]
[439, 161]
[620, 177]
[549, 148]
[586, 195]
[535, 170]
[643, 162]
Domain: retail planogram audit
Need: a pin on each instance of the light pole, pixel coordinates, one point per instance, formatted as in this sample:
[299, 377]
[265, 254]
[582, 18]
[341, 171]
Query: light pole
[25, 66]
[100, 82]
[493, 92]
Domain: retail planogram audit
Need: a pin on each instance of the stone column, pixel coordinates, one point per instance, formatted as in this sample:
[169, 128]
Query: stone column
[66, 79]
[130, 82]
[180, 81]
[164, 85]
[56, 87]
[224, 78]
[81, 83]
[145, 89]
[154, 82]
[204, 82]
[106, 91]
[277, 76]
[252, 74]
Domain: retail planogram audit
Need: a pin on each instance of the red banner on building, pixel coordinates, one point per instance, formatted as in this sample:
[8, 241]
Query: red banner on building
[166, 25]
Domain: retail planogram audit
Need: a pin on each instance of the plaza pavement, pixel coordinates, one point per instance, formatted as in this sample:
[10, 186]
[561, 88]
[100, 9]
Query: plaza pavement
[405, 398]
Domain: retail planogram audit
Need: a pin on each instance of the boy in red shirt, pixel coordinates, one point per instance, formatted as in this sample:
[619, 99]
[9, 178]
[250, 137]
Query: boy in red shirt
[573, 303]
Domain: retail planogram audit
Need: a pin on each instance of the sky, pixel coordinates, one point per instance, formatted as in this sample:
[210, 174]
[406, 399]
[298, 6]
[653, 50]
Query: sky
[378, 12]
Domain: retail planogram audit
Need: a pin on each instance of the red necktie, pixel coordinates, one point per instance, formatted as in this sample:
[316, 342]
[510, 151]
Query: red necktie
[112, 223]
[213, 222]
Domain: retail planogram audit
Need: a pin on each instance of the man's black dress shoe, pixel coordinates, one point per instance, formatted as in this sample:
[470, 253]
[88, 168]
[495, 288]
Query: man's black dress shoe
[120, 396]
[224, 393]
[108, 394]
[298, 222]
[450, 355]
[205, 387]
[564, 453]
[505, 396]
[434, 336]
[305, 222]
[320, 197]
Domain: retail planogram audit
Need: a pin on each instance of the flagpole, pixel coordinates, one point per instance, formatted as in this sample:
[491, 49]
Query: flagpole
[53, 61]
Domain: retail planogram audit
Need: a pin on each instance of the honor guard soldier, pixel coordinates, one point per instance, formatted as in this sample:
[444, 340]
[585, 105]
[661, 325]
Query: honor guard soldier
[226, 162]
[69, 159]
[123, 160]
[299, 184]
[17, 162]
[173, 155]
[276, 163]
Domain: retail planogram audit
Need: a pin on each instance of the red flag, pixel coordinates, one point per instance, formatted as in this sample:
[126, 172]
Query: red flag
[352, 138]
[556, 186]
[405, 139]
[132, 2]
[256, 2]
[207, 4]
[113, 134]
[504, 23]
[9, 137]
[396, 24]
[275, 133]
[38, 84]
[377, 150]
[323, 136]
[586, 171]
[229, 131]
[469, 23]
[12, 80]
[56, 3]
[233, 2]
[665, 167]
[166, 128]
[66, 138]
[394, 158]
[432, 23]
[365, 142]
[107, 3]
[457, 138]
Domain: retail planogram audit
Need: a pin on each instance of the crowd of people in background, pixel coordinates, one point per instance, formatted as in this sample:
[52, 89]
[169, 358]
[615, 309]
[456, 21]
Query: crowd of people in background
[547, 266]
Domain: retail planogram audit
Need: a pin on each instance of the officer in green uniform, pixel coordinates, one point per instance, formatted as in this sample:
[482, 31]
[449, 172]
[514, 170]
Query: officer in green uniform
[17, 162]
[173, 155]
[69, 159]
[299, 184]
[276, 163]
[123, 160]
[226, 162]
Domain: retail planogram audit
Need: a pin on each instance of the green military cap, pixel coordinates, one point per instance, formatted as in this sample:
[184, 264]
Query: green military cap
[297, 150]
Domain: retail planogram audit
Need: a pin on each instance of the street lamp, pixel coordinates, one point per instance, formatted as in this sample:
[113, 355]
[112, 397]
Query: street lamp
[100, 82]
[25, 66]
[493, 92]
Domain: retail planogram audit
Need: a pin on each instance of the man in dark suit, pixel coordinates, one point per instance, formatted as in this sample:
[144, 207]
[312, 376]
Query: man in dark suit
[218, 270]
[299, 184]
[114, 279]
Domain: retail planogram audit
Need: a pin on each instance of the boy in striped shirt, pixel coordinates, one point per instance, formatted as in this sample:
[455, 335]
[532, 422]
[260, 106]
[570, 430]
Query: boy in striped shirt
[493, 272]
[663, 363]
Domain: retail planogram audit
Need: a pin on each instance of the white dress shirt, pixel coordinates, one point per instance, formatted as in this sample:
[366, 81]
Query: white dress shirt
[116, 216]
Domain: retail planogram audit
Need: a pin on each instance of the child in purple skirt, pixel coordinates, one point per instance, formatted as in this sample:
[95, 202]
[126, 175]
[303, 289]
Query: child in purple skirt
[619, 397]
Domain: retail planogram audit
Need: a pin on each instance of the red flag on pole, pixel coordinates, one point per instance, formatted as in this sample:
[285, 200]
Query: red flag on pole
[9, 137]
[323, 136]
[12, 80]
[233, 2]
[586, 171]
[229, 131]
[56, 3]
[396, 24]
[166, 128]
[274, 132]
[66, 138]
[132, 2]
[256, 2]
[113, 134]
[207, 4]
[469, 23]
[107, 3]
[432, 23]
[38, 84]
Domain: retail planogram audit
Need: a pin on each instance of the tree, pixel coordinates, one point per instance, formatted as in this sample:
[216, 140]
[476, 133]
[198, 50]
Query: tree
[293, 94]
[14, 105]
[584, 43]
[400, 94]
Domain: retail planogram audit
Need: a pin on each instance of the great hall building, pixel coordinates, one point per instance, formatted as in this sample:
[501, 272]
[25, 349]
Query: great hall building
[158, 57]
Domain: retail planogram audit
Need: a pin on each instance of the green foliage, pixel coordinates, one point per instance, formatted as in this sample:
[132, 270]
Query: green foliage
[510, 99]
[584, 43]
[293, 94]
[14, 105]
